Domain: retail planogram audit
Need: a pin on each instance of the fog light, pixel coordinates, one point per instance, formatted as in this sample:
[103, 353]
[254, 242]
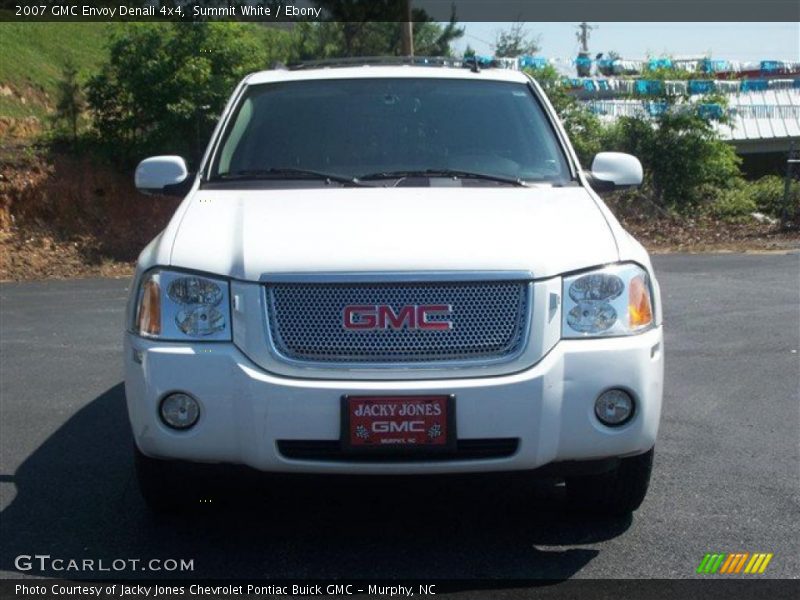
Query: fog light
[614, 407]
[179, 411]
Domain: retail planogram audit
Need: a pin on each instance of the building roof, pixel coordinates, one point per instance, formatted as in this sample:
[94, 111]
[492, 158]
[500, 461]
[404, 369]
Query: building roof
[763, 115]
[759, 121]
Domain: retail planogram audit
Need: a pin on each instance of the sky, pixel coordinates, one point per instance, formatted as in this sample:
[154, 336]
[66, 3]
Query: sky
[728, 41]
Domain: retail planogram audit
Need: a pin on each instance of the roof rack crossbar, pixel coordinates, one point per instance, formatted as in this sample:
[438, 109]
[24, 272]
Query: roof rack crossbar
[357, 61]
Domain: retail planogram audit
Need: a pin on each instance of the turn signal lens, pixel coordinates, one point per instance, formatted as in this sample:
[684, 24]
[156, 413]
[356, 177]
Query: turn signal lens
[640, 312]
[179, 306]
[149, 320]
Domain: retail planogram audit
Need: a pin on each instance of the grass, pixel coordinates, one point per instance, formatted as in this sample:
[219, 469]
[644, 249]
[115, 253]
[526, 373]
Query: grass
[13, 107]
[34, 55]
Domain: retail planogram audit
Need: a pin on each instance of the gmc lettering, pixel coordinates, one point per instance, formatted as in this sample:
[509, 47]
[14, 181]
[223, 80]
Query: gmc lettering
[403, 427]
[366, 317]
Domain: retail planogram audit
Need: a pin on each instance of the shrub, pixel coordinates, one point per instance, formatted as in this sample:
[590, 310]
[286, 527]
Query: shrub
[733, 204]
[765, 195]
[682, 155]
[684, 159]
[768, 195]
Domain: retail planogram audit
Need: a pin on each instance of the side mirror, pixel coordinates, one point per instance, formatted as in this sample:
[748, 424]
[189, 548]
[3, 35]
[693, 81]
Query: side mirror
[163, 175]
[613, 170]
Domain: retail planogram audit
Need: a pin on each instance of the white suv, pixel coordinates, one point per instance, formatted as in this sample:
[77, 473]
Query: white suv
[394, 269]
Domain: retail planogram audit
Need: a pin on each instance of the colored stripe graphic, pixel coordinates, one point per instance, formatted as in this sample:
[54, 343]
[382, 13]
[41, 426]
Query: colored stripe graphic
[753, 564]
[742, 561]
[703, 564]
[723, 563]
[767, 558]
[734, 563]
[710, 563]
[727, 564]
[717, 563]
[758, 564]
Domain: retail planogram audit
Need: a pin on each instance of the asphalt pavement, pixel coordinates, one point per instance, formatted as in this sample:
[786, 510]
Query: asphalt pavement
[726, 476]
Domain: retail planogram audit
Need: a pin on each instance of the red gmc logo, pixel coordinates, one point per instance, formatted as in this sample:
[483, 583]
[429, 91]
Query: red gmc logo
[382, 316]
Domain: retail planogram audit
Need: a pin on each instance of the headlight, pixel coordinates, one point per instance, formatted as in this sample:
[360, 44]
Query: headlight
[180, 306]
[615, 300]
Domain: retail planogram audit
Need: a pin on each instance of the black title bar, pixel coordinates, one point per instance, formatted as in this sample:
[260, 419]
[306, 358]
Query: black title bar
[512, 589]
[369, 10]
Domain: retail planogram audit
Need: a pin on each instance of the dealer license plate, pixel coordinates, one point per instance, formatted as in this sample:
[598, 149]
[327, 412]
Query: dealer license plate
[398, 423]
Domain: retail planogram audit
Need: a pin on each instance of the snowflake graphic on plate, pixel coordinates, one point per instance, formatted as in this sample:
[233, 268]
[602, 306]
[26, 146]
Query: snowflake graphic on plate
[435, 431]
[361, 432]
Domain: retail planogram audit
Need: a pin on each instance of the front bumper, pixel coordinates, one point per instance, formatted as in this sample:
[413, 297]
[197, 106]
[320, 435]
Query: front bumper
[245, 411]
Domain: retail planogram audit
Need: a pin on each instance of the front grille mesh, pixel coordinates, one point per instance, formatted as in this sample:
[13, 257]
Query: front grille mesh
[488, 321]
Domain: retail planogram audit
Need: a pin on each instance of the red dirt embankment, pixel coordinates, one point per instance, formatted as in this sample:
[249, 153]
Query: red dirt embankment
[63, 216]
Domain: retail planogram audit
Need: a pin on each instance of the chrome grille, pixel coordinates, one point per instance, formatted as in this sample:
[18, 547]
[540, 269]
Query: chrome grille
[489, 322]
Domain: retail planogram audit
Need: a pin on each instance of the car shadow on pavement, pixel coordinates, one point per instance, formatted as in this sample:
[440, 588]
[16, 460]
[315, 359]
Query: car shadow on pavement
[76, 497]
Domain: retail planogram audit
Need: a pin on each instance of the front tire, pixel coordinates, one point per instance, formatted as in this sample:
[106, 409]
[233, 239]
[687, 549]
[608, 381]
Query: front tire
[617, 492]
[161, 483]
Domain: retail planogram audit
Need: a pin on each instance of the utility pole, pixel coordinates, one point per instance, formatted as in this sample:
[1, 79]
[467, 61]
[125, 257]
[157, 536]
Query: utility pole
[791, 161]
[584, 61]
[583, 35]
[407, 31]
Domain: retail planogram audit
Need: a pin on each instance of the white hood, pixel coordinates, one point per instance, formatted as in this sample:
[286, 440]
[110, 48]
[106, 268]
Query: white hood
[246, 234]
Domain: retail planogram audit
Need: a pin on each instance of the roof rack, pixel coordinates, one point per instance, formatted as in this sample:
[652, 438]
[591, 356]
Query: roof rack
[360, 61]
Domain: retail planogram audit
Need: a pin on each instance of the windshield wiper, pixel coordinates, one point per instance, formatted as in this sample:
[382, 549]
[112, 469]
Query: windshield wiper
[282, 172]
[458, 174]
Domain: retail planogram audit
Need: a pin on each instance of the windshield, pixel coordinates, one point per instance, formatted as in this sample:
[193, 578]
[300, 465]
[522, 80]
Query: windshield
[481, 132]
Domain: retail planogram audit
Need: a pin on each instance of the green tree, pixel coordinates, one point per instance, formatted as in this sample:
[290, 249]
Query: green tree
[583, 127]
[316, 40]
[684, 158]
[366, 28]
[515, 41]
[431, 39]
[164, 85]
[340, 40]
[359, 28]
[70, 100]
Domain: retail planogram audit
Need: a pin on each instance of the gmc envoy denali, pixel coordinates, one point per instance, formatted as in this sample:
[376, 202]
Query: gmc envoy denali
[394, 269]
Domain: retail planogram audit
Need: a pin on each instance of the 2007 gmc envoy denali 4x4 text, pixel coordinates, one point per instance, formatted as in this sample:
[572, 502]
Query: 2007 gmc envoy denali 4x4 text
[395, 269]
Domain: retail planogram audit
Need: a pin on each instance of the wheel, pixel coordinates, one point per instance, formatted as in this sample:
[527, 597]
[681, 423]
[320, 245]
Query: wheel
[162, 483]
[615, 493]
